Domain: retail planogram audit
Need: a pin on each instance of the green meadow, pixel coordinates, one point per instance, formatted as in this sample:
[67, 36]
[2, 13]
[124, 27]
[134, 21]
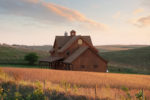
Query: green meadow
[135, 60]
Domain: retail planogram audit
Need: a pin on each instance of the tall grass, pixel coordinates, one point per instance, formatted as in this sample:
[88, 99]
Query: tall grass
[108, 85]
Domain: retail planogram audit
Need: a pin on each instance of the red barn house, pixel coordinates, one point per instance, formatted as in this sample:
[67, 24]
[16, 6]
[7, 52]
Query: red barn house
[75, 52]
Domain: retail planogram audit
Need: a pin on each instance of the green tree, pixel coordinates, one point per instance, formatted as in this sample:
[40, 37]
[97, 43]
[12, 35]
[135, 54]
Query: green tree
[31, 58]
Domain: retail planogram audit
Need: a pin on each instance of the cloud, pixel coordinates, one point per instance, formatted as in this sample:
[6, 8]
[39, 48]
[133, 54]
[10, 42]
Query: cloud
[144, 21]
[146, 3]
[137, 11]
[116, 15]
[47, 12]
[141, 22]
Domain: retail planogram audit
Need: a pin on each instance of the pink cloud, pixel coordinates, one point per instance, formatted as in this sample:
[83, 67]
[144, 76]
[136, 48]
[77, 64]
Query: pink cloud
[137, 11]
[143, 21]
[73, 15]
[48, 12]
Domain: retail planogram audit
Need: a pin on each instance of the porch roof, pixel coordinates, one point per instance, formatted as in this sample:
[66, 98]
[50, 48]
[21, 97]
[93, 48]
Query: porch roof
[50, 59]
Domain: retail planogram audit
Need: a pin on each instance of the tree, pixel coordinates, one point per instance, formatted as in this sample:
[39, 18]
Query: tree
[31, 58]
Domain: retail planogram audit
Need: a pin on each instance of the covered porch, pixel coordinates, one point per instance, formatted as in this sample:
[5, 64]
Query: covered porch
[54, 63]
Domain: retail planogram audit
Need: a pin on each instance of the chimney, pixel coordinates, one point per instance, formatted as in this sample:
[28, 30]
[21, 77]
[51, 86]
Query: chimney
[65, 34]
[73, 33]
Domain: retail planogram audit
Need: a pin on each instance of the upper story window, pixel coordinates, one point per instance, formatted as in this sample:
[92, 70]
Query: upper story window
[68, 53]
[80, 42]
[59, 47]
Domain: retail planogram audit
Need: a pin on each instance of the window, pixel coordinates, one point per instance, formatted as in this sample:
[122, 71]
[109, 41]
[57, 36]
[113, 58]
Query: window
[80, 42]
[68, 53]
[59, 47]
[95, 66]
[82, 66]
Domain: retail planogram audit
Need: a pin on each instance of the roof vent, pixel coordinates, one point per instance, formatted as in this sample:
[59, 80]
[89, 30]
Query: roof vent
[73, 33]
[65, 34]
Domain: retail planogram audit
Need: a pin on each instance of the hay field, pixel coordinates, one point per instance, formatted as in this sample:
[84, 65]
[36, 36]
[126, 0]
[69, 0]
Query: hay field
[86, 79]
[108, 84]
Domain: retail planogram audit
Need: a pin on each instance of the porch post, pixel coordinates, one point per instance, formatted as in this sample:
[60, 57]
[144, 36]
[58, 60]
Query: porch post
[48, 65]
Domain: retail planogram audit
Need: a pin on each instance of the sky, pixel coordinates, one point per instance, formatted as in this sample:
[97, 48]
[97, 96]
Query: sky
[37, 22]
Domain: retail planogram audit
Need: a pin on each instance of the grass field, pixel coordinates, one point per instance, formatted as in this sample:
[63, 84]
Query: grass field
[129, 58]
[44, 48]
[129, 61]
[110, 48]
[13, 55]
[20, 66]
[109, 86]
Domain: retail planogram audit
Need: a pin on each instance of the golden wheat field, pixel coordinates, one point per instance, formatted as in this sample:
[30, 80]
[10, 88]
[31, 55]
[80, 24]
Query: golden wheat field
[108, 84]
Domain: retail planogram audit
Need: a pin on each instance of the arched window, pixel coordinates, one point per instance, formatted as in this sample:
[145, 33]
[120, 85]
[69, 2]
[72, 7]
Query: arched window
[80, 42]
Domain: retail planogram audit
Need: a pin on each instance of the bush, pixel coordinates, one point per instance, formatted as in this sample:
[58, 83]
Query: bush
[31, 58]
[37, 94]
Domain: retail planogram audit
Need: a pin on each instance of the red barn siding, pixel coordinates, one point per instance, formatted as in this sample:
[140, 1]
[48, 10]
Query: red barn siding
[89, 59]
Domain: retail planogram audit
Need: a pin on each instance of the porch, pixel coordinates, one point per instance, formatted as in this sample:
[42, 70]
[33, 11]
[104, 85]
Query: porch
[54, 63]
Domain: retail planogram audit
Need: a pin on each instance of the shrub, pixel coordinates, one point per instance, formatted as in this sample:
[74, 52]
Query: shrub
[2, 93]
[37, 94]
[75, 88]
[18, 96]
[140, 95]
[126, 90]
[31, 58]
[65, 85]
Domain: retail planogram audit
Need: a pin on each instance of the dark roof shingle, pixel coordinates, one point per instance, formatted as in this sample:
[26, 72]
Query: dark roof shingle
[65, 41]
[50, 59]
[76, 54]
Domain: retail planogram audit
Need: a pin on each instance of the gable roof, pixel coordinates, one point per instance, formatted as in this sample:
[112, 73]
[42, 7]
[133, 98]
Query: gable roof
[68, 43]
[76, 54]
[65, 41]
[62, 40]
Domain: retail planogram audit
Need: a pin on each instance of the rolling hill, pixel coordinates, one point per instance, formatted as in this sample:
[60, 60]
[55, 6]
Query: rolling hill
[121, 58]
[14, 55]
[133, 60]
[109, 48]
[45, 48]
[102, 48]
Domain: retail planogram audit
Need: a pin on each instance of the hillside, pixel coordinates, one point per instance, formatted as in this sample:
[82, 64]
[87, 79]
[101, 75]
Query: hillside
[129, 58]
[134, 60]
[13, 55]
[45, 48]
[101, 48]
[109, 48]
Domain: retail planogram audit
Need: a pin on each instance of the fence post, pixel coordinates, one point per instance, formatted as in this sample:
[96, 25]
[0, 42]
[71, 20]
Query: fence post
[142, 94]
[44, 83]
[96, 92]
[5, 77]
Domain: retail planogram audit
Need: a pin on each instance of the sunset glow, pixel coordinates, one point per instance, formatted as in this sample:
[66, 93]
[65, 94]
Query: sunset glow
[37, 22]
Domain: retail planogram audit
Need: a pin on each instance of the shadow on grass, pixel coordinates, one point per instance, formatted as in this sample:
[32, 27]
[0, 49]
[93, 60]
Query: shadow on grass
[20, 65]
[10, 88]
